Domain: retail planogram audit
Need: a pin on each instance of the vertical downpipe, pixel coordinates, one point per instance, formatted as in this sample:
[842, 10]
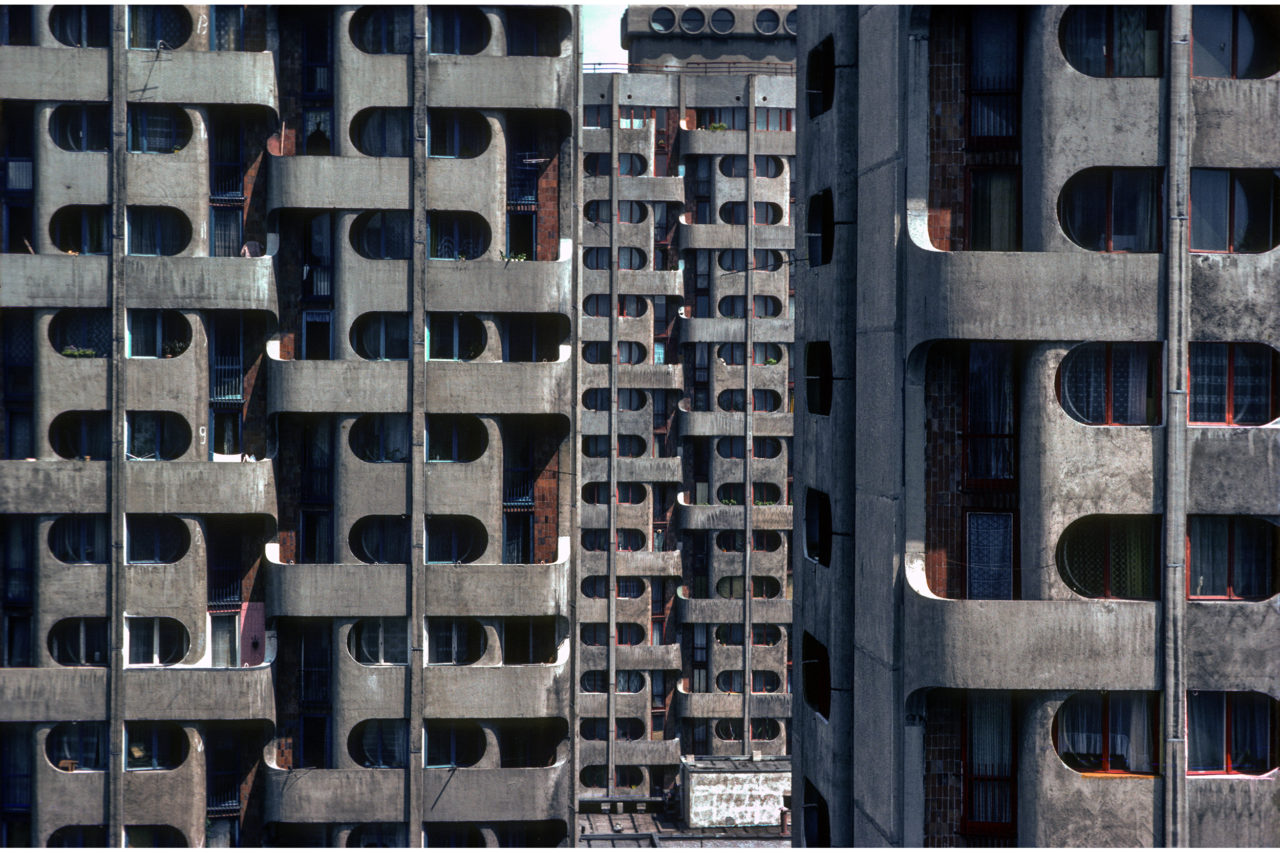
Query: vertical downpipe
[415, 576]
[1177, 261]
[748, 498]
[116, 394]
[612, 551]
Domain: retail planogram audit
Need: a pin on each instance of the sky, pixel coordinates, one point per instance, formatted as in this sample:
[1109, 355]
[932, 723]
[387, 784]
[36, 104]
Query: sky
[602, 32]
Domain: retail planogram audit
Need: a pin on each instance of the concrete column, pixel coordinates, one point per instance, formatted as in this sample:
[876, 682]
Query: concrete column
[748, 498]
[612, 552]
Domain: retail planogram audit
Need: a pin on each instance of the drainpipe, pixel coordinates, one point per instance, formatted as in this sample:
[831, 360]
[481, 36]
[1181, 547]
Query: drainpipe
[612, 550]
[748, 498]
[1178, 273]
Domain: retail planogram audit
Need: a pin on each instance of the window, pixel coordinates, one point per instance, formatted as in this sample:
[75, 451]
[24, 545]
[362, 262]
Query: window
[453, 236]
[454, 337]
[154, 641]
[1232, 41]
[317, 334]
[379, 743]
[155, 27]
[15, 25]
[1232, 557]
[598, 115]
[1234, 210]
[158, 129]
[227, 226]
[452, 743]
[1230, 732]
[383, 132]
[630, 681]
[989, 429]
[722, 21]
[155, 538]
[632, 211]
[79, 642]
[692, 20]
[1112, 556]
[528, 640]
[721, 118]
[1113, 41]
[630, 258]
[157, 231]
[381, 438]
[77, 746]
[994, 78]
[989, 541]
[153, 333]
[224, 634]
[76, 127]
[383, 640]
[457, 134]
[820, 77]
[455, 438]
[1231, 384]
[774, 119]
[1112, 210]
[990, 786]
[381, 336]
[818, 377]
[154, 746]
[633, 165]
[454, 641]
[456, 30]
[153, 436]
[81, 435]
[384, 235]
[995, 204]
[454, 539]
[81, 26]
[815, 674]
[381, 539]
[80, 539]
[227, 28]
[820, 229]
[1105, 384]
[81, 230]
[767, 22]
[1108, 733]
[385, 29]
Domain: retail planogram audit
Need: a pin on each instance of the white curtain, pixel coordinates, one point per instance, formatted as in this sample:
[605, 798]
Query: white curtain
[1130, 726]
[1208, 567]
[1250, 732]
[1080, 731]
[991, 754]
[1129, 384]
[1206, 729]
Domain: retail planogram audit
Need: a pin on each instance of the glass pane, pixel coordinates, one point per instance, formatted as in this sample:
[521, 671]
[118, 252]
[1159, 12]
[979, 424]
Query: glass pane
[1208, 568]
[1211, 41]
[994, 206]
[1254, 559]
[1250, 732]
[1133, 558]
[1254, 200]
[1084, 556]
[990, 555]
[1134, 212]
[1130, 732]
[1209, 214]
[1251, 384]
[1080, 732]
[1084, 384]
[1133, 385]
[1083, 209]
[1208, 363]
[1206, 727]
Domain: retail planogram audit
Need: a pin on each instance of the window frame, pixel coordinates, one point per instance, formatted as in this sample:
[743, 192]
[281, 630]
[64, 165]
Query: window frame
[1231, 522]
[1153, 716]
[1229, 700]
[1155, 361]
[1236, 179]
[1232, 346]
[1106, 534]
[970, 777]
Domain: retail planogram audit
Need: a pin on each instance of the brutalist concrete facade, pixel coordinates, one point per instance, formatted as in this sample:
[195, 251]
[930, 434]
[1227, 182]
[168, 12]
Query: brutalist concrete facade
[288, 303]
[936, 180]
[683, 581]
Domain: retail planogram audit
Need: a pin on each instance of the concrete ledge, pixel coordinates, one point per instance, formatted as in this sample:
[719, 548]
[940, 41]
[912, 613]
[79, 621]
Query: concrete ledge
[179, 693]
[510, 691]
[1041, 645]
[461, 794]
[647, 752]
[76, 74]
[1231, 296]
[200, 77]
[1227, 132]
[1240, 811]
[338, 386]
[483, 590]
[53, 487]
[201, 487]
[1244, 663]
[356, 182]
[649, 657]
[499, 388]
[1233, 470]
[54, 694]
[53, 281]
[500, 82]
[335, 590]
[335, 796]
[523, 286]
[242, 284]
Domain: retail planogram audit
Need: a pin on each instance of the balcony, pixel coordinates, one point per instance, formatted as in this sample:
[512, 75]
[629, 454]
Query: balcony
[32, 73]
[483, 590]
[511, 691]
[335, 590]
[201, 487]
[55, 694]
[356, 182]
[337, 386]
[53, 487]
[183, 77]
[498, 388]
[194, 284]
[335, 796]
[500, 82]
[513, 793]
[187, 693]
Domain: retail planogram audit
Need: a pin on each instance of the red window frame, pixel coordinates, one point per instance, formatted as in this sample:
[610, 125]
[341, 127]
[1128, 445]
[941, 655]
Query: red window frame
[1153, 714]
[1231, 562]
[1004, 484]
[1154, 357]
[1228, 707]
[989, 828]
[1105, 522]
[968, 203]
[1234, 178]
[1231, 384]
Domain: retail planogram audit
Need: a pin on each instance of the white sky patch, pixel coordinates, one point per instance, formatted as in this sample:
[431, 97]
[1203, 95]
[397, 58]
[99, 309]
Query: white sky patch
[602, 32]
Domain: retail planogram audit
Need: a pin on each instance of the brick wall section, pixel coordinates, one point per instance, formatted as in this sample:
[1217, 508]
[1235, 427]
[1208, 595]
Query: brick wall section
[548, 214]
[546, 501]
[943, 769]
[947, 76]
[288, 466]
[289, 71]
[949, 154]
[254, 412]
[946, 498]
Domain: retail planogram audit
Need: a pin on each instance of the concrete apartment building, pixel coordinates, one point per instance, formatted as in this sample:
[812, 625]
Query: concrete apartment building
[1035, 455]
[287, 303]
[684, 605]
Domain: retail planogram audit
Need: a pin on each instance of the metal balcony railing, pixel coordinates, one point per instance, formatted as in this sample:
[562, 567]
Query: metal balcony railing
[222, 791]
[227, 382]
[226, 180]
[517, 488]
[727, 67]
[313, 688]
[224, 586]
[317, 281]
